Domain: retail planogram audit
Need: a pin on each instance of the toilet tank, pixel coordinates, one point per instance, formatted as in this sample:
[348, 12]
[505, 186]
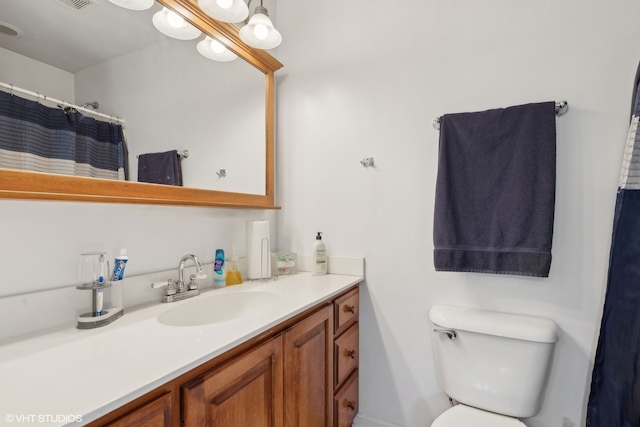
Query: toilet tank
[494, 361]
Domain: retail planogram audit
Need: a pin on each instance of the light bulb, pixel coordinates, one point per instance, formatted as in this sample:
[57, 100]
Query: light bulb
[261, 31]
[225, 4]
[175, 20]
[217, 47]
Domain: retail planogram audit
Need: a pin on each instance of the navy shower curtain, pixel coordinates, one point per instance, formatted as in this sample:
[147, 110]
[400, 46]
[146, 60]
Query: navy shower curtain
[37, 138]
[614, 400]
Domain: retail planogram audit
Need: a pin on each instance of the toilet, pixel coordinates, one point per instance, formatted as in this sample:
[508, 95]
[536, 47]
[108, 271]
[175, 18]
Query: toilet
[494, 364]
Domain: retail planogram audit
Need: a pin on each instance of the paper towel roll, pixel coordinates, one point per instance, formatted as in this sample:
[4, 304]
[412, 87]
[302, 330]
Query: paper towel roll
[258, 250]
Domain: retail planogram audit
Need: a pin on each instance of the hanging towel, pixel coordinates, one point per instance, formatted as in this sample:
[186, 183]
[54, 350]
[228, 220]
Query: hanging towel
[614, 399]
[160, 168]
[495, 191]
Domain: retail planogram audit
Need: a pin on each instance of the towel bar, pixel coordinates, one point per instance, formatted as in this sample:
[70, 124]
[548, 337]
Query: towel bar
[183, 154]
[561, 108]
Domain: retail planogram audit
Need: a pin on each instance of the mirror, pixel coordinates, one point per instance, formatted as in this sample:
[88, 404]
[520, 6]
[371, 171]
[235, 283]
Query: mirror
[195, 122]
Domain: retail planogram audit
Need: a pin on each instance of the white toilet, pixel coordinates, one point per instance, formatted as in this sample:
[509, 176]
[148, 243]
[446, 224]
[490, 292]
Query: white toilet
[494, 364]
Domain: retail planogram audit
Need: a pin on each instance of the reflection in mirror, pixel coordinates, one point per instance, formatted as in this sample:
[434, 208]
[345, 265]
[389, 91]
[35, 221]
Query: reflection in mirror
[170, 96]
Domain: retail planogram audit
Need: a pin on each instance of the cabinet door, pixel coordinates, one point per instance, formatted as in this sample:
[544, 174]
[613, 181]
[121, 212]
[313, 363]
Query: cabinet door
[247, 391]
[308, 358]
[156, 413]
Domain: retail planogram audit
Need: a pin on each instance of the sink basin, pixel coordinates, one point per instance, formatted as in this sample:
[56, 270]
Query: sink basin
[216, 308]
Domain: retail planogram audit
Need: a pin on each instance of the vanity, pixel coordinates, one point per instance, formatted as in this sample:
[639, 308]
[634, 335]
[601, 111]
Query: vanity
[292, 362]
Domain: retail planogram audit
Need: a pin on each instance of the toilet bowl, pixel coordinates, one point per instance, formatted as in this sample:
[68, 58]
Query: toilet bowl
[466, 416]
[494, 364]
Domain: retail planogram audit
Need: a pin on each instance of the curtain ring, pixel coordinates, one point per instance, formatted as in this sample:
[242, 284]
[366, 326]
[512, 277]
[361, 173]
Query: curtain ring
[11, 91]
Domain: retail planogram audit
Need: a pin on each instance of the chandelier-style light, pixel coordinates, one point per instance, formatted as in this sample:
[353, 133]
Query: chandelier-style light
[225, 10]
[212, 49]
[173, 25]
[259, 31]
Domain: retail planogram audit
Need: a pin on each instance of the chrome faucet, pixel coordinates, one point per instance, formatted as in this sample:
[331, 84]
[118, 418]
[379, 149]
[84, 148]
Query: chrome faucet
[180, 290]
[192, 283]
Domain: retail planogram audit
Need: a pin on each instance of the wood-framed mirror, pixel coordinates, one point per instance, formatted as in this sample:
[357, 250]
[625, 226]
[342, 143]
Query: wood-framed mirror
[15, 184]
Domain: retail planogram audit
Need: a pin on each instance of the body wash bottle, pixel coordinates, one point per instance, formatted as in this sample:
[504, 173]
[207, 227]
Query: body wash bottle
[219, 269]
[319, 257]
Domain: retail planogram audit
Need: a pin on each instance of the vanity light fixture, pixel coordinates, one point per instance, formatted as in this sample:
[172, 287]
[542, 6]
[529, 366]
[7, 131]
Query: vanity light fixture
[259, 31]
[173, 25]
[231, 11]
[213, 49]
[134, 4]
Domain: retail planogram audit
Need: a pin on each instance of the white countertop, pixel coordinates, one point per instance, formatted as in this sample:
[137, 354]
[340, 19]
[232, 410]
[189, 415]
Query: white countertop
[49, 379]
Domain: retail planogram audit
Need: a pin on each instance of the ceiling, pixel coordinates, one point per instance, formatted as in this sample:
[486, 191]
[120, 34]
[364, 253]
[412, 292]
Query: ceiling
[61, 36]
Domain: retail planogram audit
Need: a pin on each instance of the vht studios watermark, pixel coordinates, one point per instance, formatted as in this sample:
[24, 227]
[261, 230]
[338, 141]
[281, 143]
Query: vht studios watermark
[43, 418]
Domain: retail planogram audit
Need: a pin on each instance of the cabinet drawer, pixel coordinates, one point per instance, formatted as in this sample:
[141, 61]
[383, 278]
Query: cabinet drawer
[346, 351]
[346, 310]
[345, 403]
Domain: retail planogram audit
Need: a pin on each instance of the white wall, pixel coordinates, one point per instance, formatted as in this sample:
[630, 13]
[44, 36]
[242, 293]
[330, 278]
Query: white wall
[367, 78]
[35, 76]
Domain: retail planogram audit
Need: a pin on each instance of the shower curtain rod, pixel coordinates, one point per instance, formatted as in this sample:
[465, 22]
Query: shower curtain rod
[13, 88]
[561, 108]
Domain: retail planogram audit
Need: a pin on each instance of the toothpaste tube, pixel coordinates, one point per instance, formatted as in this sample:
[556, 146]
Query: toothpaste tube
[120, 264]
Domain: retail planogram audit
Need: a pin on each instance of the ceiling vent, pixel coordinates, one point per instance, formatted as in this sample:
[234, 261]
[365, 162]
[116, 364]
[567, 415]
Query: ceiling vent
[78, 6]
[10, 30]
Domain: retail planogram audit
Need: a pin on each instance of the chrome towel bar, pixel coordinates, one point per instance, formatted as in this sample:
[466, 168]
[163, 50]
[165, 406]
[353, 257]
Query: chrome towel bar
[561, 108]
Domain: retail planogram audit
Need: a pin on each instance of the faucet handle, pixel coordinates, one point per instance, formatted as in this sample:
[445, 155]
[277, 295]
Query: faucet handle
[171, 287]
[192, 283]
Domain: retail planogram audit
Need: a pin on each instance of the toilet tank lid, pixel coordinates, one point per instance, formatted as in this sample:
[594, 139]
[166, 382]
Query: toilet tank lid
[517, 326]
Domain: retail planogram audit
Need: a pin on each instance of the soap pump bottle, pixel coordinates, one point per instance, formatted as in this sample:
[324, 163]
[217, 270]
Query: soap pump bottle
[319, 257]
[234, 277]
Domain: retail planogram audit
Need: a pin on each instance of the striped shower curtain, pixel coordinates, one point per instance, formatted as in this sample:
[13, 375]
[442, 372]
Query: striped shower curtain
[37, 138]
[614, 400]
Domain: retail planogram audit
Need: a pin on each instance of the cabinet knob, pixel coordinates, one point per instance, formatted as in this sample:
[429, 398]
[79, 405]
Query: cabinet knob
[350, 353]
[351, 404]
[349, 308]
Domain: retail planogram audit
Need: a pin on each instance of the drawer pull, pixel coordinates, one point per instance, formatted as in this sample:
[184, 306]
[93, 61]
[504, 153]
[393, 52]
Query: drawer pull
[351, 404]
[349, 308]
[350, 353]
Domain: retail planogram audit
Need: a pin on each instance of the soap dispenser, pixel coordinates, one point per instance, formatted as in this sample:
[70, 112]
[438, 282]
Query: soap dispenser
[318, 257]
[234, 277]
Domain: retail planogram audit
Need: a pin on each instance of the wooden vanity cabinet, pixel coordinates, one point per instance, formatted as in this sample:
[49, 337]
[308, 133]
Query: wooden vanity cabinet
[308, 373]
[246, 391]
[300, 373]
[249, 391]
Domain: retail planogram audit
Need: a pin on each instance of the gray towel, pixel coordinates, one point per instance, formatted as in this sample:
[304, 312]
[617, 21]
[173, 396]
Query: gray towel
[160, 168]
[495, 191]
